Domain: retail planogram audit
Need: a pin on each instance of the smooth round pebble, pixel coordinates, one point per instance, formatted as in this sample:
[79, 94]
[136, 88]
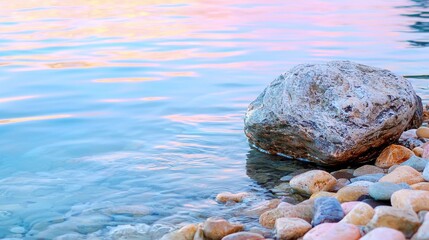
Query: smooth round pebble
[361, 183]
[415, 162]
[291, 228]
[393, 154]
[327, 209]
[217, 228]
[418, 151]
[333, 231]
[384, 190]
[313, 181]
[384, 233]
[360, 215]
[421, 186]
[367, 169]
[244, 236]
[417, 200]
[422, 132]
[351, 193]
[403, 174]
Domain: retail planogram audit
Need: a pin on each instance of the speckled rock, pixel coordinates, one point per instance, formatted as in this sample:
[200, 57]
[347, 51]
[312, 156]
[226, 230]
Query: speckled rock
[313, 181]
[394, 154]
[367, 169]
[421, 186]
[415, 162]
[348, 206]
[403, 220]
[302, 210]
[423, 232]
[416, 200]
[291, 228]
[262, 207]
[384, 190]
[217, 228]
[426, 173]
[354, 119]
[418, 151]
[244, 236]
[333, 231]
[403, 174]
[384, 233]
[327, 210]
[351, 193]
[234, 197]
[368, 177]
[361, 214]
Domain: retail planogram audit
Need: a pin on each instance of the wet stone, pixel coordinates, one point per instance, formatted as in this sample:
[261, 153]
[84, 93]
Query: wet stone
[384, 190]
[327, 210]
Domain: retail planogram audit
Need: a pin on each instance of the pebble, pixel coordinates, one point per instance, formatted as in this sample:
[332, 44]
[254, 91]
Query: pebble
[417, 200]
[333, 231]
[262, 207]
[17, 229]
[361, 183]
[393, 154]
[418, 151]
[403, 220]
[244, 236]
[185, 233]
[425, 153]
[348, 206]
[392, 168]
[426, 173]
[361, 214]
[384, 190]
[415, 162]
[327, 210]
[351, 193]
[288, 177]
[422, 132]
[303, 210]
[341, 182]
[217, 228]
[403, 174]
[291, 228]
[231, 197]
[368, 177]
[322, 194]
[384, 233]
[421, 186]
[423, 232]
[313, 181]
[367, 169]
[343, 173]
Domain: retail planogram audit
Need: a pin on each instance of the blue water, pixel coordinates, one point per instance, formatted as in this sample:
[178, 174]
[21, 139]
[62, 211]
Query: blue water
[108, 105]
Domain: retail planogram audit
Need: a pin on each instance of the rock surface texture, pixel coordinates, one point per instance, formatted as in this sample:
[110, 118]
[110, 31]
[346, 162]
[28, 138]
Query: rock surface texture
[332, 113]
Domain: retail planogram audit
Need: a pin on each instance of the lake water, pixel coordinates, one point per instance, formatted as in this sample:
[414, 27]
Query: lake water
[118, 113]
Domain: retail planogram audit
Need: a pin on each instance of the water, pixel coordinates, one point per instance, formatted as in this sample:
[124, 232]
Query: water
[130, 112]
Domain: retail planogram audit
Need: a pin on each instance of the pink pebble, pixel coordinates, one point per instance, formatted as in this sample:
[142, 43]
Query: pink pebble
[384, 233]
[333, 231]
[425, 153]
[348, 206]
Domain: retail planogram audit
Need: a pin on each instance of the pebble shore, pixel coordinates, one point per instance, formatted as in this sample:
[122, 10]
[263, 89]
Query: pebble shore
[388, 199]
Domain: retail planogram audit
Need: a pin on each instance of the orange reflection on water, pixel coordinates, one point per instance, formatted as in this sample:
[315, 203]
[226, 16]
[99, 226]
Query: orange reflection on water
[144, 99]
[126, 80]
[35, 118]
[19, 98]
[202, 118]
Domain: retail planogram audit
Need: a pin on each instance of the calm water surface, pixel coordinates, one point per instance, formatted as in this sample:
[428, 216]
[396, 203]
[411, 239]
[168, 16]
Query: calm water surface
[117, 113]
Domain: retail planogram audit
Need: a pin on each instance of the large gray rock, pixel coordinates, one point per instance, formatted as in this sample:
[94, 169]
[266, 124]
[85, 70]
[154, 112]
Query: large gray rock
[332, 113]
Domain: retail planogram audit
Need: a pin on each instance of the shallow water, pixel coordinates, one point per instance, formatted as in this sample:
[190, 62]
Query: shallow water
[122, 112]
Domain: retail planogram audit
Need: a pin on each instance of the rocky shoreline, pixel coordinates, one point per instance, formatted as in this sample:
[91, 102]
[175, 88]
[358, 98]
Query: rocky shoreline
[332, 114]
[385, 200]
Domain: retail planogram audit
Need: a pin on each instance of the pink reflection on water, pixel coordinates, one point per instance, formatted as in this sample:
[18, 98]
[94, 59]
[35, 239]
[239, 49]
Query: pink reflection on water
[202, 118]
